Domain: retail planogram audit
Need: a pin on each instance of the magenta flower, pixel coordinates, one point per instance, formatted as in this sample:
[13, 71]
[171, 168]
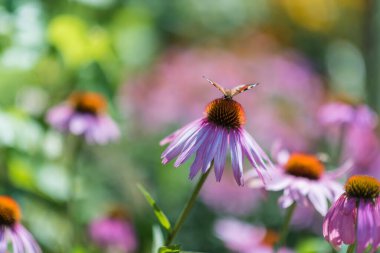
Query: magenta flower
[304, 181]
[11, 230]
[356, 125]
[113, 233]
[212, 136]
[355, 216]
[84, 114]
[242, 237]
[338, 113]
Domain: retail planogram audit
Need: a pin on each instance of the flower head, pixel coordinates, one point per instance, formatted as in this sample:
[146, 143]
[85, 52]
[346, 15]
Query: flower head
[304, 181]
[11, 230]
[210, 137]
[355, 216]
[114, 232]
[242, 237]
[85, 114]
[356, 124]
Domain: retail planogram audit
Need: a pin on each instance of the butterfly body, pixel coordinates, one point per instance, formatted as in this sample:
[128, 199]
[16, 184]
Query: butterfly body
[230, 93]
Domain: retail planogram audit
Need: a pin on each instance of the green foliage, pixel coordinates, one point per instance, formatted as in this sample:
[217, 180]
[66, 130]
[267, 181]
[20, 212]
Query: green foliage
[164, 221]
[170, 249]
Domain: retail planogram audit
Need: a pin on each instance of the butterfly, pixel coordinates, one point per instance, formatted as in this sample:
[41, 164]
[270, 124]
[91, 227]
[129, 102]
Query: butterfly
[229, 93]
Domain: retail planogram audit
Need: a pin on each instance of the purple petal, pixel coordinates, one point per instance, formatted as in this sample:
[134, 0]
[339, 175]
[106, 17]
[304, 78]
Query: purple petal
[220, 156]
[192, 144]
[197, 165]
[318, 199]
[175, 148]
[59, 116]
[339, 227]
[364, 226]
[236, 156]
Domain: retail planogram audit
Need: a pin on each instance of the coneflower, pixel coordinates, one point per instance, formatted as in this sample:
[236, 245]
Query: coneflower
[212, 136]
[85, 114]
[354, 219]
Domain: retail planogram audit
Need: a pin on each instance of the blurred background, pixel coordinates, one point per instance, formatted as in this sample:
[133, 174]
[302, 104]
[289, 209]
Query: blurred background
[148, 58]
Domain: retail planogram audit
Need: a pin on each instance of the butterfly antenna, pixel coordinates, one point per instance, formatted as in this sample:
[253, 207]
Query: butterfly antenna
[211, 82]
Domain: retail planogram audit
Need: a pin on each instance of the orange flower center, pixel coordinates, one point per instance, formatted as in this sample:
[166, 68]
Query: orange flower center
[270, 238]
[9, 211]
[88, 102]
[118, 213]
[302, 165]
[360, 186]
[226, 113]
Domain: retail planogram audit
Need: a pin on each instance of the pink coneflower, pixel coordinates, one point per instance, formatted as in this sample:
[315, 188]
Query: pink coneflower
[213, 135]
[114, 233]
[242, 237]
[85, 114]
[304, 181]
[355, 124]
[355, 216]
[11, 230]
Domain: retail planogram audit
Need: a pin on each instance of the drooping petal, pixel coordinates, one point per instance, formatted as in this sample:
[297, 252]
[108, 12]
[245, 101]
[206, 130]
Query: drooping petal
[175, 148]
[27, 240]
[376, 229]
[212, 149]
[364, 225]
[192, 144]
[236, 157]
[318, 199]
[3, 240]
[331, 223]
[197, 164]
[220, 156]
[341, 171]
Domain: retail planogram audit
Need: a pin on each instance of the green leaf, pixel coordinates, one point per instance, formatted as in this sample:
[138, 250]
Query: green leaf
[170, 249]
[313, 245]
[164, 221]
[158, 239]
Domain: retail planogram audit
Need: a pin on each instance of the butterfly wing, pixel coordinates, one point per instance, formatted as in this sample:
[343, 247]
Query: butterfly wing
[216, 85]
[241, 88]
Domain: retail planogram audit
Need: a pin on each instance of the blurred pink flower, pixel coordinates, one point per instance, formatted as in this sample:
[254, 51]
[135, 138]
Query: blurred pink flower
[355, 216]
[227, 197]
[289, 96]
[303, 180]
[357, 123]
[113, 233]
[242, 237]
[84, 114]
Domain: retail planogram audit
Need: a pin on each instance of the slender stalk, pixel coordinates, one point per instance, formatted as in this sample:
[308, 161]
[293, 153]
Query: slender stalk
[189, 205]
[351, 248]
[285, 226]
[340, 145]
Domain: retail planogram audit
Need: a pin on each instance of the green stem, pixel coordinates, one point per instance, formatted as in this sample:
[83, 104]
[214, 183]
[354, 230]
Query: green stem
[285, 226]
[340, 146]
[75, 149]
[351, 248]
[189, 205]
